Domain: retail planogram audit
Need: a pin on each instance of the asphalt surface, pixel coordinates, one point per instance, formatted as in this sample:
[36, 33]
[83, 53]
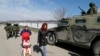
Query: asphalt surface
[12, 47]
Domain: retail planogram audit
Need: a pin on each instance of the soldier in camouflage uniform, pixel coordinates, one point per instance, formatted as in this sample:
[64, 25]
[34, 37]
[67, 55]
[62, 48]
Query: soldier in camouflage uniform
[8, 29]
[92, 9]
[16, 30]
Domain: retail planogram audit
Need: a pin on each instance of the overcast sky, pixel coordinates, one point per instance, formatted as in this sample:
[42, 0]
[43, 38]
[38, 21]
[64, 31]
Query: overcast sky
[40, 9]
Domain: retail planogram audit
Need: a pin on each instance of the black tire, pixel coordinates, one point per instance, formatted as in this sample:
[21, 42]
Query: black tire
[51, 38]
[96, 48]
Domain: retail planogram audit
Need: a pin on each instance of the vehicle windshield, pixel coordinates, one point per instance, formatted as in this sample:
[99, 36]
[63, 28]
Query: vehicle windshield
[63, 22]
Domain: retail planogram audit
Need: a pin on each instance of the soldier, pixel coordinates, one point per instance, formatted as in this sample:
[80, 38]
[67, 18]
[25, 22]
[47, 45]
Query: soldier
[8, 29]
[92, 9]
[16, 30]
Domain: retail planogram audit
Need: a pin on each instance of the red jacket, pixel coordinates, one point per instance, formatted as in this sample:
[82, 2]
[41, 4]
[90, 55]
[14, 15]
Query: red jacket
[26, 36]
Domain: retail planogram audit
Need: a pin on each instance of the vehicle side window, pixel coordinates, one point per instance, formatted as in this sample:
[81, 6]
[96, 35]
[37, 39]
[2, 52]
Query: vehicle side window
[80, 21]
[63, 22]
[98, 20]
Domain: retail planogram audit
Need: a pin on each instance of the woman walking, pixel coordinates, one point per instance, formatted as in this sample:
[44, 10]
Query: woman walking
[42, 38]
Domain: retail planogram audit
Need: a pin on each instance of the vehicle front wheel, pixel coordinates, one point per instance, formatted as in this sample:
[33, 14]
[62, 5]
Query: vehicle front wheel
[51, 38]
[96, 48]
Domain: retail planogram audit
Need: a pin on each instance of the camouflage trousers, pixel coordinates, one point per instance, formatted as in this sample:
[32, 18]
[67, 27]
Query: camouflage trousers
[15, 33]
[8, 34]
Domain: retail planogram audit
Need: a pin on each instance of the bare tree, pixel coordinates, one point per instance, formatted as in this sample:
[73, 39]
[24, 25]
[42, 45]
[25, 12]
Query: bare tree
[59, 13]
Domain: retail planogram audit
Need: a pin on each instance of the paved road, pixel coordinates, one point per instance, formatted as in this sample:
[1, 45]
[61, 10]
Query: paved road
[12, 47]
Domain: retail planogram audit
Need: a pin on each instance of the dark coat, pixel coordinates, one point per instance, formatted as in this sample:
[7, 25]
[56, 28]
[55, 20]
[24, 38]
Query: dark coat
[42, 38]
[25, 31]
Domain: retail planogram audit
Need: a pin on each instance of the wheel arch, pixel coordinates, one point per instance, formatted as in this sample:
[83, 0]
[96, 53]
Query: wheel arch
[95, 38]
[53, 32]
[54, 35]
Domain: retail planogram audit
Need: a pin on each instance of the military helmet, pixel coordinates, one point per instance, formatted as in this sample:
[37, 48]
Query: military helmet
[15, 24]
[8, 24]
[91, 4]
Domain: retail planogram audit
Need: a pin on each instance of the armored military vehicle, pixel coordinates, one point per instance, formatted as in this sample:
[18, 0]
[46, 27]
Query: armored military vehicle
[82, 31]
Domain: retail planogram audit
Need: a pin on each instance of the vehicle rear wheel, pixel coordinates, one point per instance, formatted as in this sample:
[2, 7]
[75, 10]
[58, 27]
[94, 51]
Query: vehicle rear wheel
[51, 38]
[96, 48]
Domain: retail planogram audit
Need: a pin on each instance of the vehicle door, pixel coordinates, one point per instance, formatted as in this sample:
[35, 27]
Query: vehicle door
[61, 31]
[80, 32]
